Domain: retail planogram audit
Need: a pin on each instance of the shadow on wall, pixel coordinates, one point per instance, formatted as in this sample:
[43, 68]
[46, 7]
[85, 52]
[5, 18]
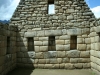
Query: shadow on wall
[21, 71]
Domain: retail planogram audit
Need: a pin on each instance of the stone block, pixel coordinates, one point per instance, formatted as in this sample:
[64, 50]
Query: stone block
[36, 38]
[84, 60]
[40, 33]
[30, 34]
[85, 54]
[2, 51]
[51, 54]
[69, 66]
[88, 47]
[59, 47]
[64, 37]
[61, 54]
[74, 60]
[43, 48]
[45, 43]
[97, 39]
[60, 42]
[67, 42]
[48, 66]
[62, 66]
[70, 17]
[97, 29]
[53, 32]
[36, 61]
[73, 53]
[80, 40]
[59, 60]
[39, 55]
[87, 40]
[66, 60]
[78, 66]
[23, 49]
[41, 66]
[24, 60]
[30, 54]
[38, 43]
[64, 31]
[2, 60]
[20, 54]
[81, 47]
[43, 38]
[86, 65]
[42, 61]
[74, 32]
[67, 47]
[37, 48]
[70, 11]
[53, 61]
[97, 46]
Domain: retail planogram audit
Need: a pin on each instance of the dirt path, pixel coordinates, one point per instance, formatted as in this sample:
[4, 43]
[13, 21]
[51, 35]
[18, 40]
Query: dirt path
[50, 72]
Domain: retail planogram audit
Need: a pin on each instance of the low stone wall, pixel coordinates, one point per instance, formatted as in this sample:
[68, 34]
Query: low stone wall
[95, 47]
[7, 59]
[63, 57]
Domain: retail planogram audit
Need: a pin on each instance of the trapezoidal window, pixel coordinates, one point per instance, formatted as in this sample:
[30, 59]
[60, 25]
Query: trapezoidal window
[8, 45]
[51, 7]
[30, 44]
[73, 42]
[52, 43]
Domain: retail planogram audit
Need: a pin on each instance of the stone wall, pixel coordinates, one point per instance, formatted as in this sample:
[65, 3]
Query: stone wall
[70, 18]
[95, 46]
[7, 58]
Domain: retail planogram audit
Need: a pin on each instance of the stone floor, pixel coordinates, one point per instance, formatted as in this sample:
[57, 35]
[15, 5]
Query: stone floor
[21, 71]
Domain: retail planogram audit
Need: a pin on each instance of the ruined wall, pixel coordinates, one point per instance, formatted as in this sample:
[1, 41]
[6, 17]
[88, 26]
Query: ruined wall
[7, 50]
[70, 18]
[95, 46]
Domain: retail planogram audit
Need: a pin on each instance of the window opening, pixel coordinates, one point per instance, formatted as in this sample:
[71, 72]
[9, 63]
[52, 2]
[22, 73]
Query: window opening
[73, 42]
[30, 44]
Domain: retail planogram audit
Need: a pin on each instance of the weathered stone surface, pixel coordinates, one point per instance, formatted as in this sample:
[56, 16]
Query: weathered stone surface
[43, 48]
[78, 65]
[53, 61]
[42, 61]
[53, 32]
[81, 47]
[30, 34]
[43, 38]
[38, 43]
[37, 48]
[59, 47]
[60, 42]
[85, 54]
[73, 53]
[66, 47]
[40, 33]
[80, 40]
[74, 32]
[61, 54]
[69, 66]
[87, 40]
[39, 55]
[59, 60]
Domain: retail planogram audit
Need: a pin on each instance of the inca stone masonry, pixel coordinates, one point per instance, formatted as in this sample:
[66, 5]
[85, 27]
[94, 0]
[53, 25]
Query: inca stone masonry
[67, 39]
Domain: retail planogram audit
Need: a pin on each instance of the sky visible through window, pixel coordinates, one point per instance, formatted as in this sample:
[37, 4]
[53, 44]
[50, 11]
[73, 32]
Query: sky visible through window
[51, 9]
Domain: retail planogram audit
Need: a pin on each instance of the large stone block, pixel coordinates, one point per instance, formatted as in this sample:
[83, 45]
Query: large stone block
[43, 38]
[97, 46]
[50, 54]
[53, 32]
[40, 33]
[37, 48]
[81, 47]
[78, 65]
[85, 54]
[53, 61]
[45, 43]
[43, 48]
[73, 53]
[42, 61]
[67, 42]
[74, 60]
[38, 43]
[67, 47]
[84, 60]
[30, 54]
[64, 37]
[39, 55]
[2, 60]
[59, 47]
[87, 40]
[74, 32]
[60, 42]
[61, 54]
[97, 39]
[80, 40]
[30, 34]
[66, 60]
[86, 65]
[69, 66]
[59, 60]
